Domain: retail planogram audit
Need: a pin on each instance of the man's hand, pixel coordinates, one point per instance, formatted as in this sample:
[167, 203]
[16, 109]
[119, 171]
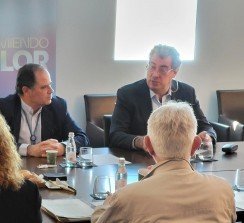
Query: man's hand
[39, 149]
[139, 143]
[205, 136]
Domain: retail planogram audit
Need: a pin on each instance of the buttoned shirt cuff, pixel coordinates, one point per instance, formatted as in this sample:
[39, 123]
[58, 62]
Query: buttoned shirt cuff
[23, 149]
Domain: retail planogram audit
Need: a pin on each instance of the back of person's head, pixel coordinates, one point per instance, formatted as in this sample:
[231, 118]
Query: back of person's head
[10, 161]
[26, 76]
[167, 51]
[172, 129]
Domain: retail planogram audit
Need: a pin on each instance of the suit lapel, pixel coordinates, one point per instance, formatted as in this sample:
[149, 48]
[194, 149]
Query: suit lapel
[17, 118]
[174, 90]
[47, 123]
[146, 100]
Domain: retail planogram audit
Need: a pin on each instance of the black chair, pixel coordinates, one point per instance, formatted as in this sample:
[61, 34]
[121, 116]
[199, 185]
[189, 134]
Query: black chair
[231, 112]
[97, 105]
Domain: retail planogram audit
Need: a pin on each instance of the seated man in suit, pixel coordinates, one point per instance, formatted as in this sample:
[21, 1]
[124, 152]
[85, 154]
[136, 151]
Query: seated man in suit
[38, 120]
[172, 191]
[136, 101]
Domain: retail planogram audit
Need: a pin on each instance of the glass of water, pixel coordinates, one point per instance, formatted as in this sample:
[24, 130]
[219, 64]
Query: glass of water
[239, 179]
[86, 156]
[102, 187]
[205, 151]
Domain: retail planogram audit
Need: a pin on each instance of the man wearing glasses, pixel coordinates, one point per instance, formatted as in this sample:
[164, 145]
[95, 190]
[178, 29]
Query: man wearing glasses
[136, 101]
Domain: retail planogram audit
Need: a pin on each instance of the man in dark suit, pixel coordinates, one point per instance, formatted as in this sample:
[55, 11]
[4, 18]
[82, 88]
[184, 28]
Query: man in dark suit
[38, 120]
[136, 101]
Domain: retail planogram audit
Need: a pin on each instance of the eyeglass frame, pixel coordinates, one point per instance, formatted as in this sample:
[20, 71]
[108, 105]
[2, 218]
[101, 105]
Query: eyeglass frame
[162, 72]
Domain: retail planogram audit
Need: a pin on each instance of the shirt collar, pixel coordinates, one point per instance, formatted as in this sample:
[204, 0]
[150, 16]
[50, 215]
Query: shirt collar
[28, 109]
[153, 95]
[178, 165]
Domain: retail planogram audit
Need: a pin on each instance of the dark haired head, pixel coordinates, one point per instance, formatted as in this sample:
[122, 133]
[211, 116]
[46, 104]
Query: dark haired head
[26, 77]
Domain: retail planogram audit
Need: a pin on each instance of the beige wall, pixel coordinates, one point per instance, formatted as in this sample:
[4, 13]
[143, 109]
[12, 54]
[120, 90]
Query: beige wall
[85, 41]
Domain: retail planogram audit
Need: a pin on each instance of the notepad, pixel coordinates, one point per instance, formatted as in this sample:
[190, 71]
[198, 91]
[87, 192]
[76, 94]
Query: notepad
[106, 159]
[67, 210]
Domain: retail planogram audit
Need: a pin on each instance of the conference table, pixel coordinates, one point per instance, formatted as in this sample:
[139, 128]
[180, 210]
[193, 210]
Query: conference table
[83, 178]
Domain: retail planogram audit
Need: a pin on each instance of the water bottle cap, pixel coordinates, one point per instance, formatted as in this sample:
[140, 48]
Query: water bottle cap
[122, 160]
[71, 134]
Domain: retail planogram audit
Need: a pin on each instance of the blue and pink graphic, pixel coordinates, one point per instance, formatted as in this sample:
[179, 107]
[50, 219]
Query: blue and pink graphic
[28, 35]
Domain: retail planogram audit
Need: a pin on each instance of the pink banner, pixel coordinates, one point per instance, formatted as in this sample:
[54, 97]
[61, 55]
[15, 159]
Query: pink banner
[28, 35]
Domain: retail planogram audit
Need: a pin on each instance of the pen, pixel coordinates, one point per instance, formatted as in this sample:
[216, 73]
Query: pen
[58, 181]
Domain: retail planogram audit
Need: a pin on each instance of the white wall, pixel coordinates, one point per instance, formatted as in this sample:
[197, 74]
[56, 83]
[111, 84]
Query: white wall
[85, 42]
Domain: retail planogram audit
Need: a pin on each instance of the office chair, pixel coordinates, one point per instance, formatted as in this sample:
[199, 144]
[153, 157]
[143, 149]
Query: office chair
[96, 106]
[231, 112]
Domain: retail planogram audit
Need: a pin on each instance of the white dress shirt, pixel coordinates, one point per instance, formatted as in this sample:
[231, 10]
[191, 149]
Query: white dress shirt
[155, 104]
[155, 100]
[34, 121]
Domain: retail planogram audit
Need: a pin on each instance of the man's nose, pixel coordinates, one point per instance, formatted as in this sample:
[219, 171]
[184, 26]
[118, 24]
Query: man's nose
[50, 90]
[156, 73]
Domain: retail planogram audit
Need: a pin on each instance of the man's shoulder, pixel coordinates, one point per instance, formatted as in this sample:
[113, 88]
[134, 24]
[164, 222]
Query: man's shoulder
[134, 87]
[9, 98]
[215, 183]
[184, 86]
[57, 100]
[8, 103]
[58, 105]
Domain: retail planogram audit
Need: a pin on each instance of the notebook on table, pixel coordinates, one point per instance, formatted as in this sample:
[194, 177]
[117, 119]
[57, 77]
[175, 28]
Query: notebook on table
[67, 210]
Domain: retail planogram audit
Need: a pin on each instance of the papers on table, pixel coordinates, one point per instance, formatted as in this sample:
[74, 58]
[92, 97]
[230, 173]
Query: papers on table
[106, 159]
[239, 198]
[67, 210]
[97, 203]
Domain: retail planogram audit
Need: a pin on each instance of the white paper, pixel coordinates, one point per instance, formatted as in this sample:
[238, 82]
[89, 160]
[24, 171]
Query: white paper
[97, 203]
[239, 198]
[68, 208]
[106, 159]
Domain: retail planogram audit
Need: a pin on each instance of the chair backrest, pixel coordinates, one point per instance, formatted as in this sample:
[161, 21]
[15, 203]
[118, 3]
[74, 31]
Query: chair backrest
[97, 105]
[106, 123]
[231, 104]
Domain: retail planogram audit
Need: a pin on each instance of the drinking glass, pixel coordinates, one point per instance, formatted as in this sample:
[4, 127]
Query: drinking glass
[86, 156]
[51, 157]
[102, 187]
[239, 179]
[205, 151]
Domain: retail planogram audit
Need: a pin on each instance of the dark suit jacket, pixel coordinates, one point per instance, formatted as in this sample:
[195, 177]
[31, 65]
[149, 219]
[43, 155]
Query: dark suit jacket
[55, 119]
[134, 106]
[22, 206]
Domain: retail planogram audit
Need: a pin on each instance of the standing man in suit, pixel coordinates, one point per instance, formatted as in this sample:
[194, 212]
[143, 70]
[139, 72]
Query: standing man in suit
[136, 101]
[38, 120]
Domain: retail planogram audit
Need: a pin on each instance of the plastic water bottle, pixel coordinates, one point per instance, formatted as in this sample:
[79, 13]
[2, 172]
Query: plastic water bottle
[121, 174]
[71, 150]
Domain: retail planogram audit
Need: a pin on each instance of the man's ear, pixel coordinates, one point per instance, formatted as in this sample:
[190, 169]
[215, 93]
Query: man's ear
[175, 73]
[196, 144]
[148, 145]
[25, 89]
